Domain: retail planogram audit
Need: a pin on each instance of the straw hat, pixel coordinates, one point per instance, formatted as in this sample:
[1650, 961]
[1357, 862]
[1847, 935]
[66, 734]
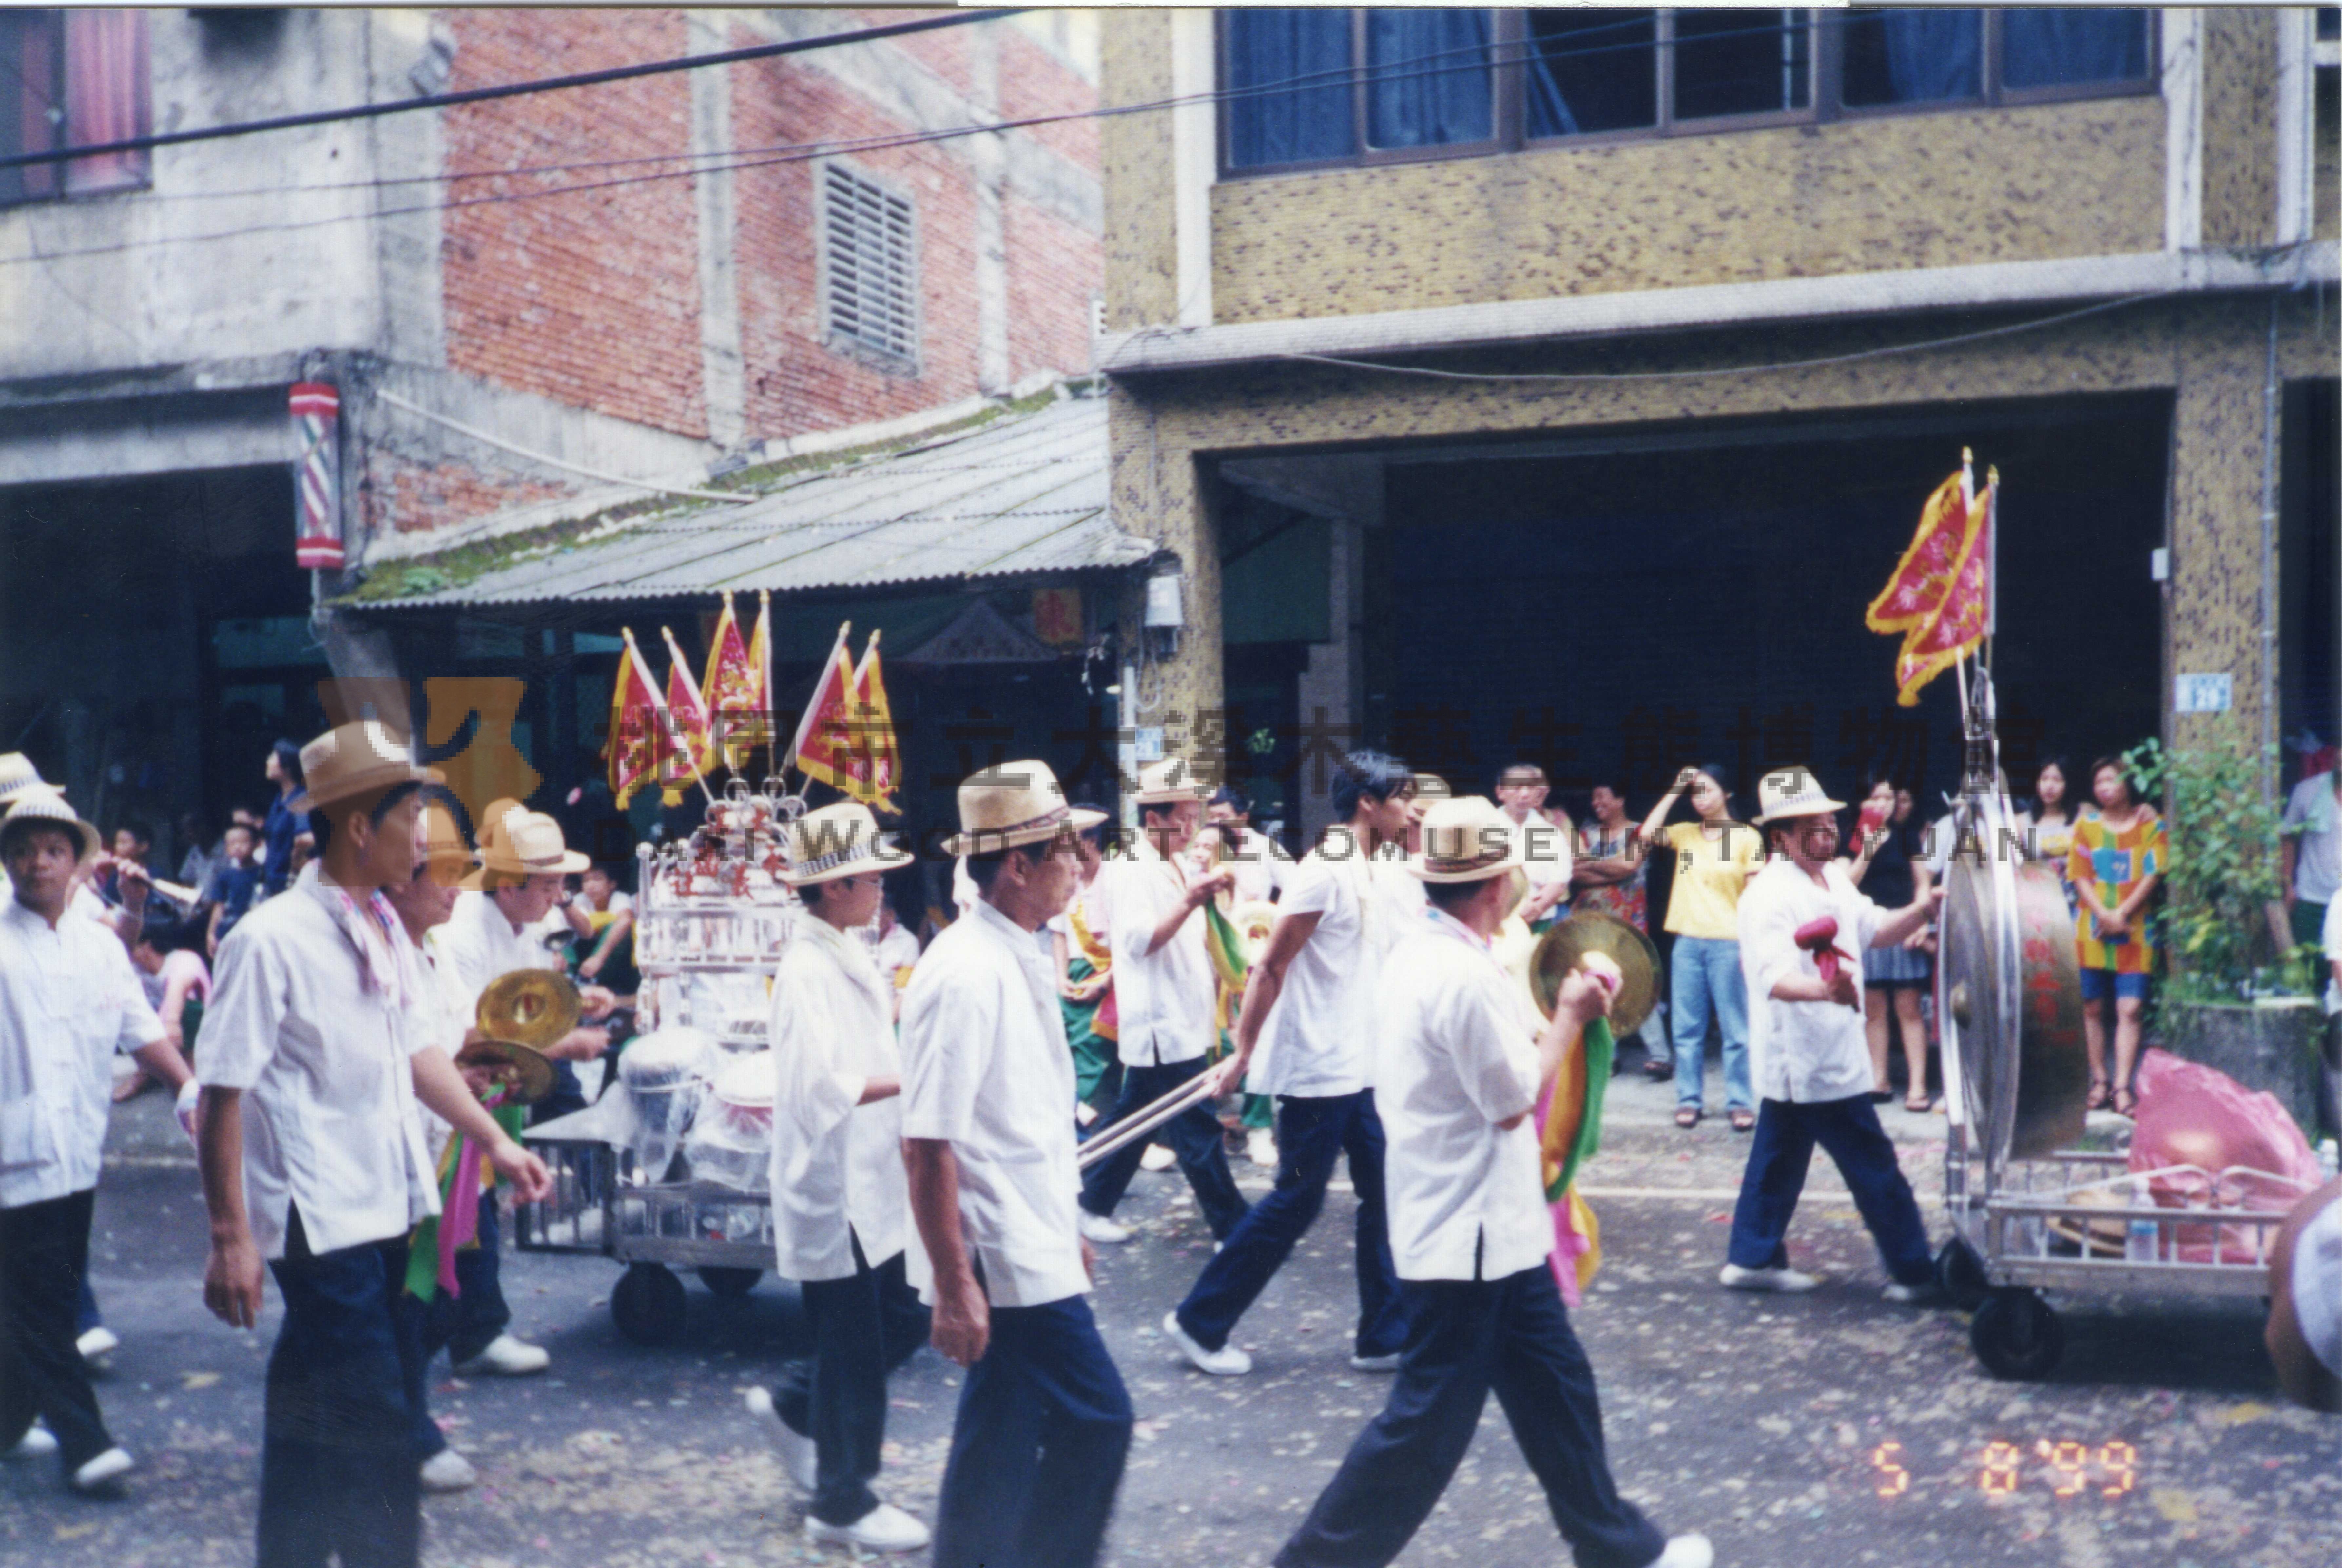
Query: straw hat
[1167, 783]
[39, 802]
[1786, 792]
[1468, 839]
[1012, 805]
[837, 841]
[359, 758]
[446, 850]
[18, 774]
[517, 842]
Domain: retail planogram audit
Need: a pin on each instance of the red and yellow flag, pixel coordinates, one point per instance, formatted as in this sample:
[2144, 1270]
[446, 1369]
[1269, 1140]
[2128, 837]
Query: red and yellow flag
[877, 763]
[824, 747]
[688, 717]
[636, 733]
[760, 659]
[1940, 594]
[735, 692]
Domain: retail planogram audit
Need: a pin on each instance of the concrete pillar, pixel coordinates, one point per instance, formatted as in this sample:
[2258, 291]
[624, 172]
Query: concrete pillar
[1158, 493]
[722, 366]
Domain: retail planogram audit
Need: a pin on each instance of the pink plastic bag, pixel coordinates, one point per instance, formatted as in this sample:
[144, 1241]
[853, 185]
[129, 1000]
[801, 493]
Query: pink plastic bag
[2191, 1114]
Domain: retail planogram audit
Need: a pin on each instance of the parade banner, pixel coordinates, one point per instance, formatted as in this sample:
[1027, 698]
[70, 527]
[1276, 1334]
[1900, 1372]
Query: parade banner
[317, 477]
[734, 694]
[824, 746]
[877, 767]
[687, 721]
[1939, 595]
[636, 729]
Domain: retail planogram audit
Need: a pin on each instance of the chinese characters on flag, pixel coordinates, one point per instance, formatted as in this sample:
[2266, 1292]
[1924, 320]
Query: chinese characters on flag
[1940, 596]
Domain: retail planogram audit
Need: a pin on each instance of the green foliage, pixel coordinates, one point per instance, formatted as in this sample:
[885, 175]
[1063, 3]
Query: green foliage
[2223, 872]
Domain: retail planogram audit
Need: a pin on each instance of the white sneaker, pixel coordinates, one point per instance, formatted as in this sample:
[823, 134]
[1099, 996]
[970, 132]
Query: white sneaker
[1225, 1362]
[100, 1474]
[1261, 1147]
[1099, 1228]
[1687, 1552]
[39, 1442]
[1911, 1296]
[447, 1471]
[799, 1455]
[506, 1357]
[1157, 1158]
[1787, 1281]
[1374, 1363]
[99, 1341]
[885, 1528]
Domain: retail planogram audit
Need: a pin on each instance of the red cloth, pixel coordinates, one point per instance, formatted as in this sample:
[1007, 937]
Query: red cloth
[2245, 1145]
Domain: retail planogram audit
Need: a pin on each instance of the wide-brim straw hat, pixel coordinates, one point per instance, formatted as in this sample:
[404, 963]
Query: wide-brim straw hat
[1787, 793]
[359, 758]
[1468, 839]
[1013, 804]
[1167, 783]
[444, 847]
[517, 842]
[840, 840]
[18, 774]
[39, 802]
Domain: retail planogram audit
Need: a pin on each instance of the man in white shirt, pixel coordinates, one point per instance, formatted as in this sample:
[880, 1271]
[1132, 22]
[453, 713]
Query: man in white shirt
[314, 1159]
[1461, 1061]
[68, 1000]
[1545, 854]
[1162, 996]
[840, 1206]
[1043, 1423]
[1307, 1038]
[1260, 864]
[1809, 1055]
[2311, 834]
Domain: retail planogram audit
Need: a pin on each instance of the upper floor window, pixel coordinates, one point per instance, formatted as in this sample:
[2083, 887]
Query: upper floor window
[870, 277]
[72, 78]
[1332, 86]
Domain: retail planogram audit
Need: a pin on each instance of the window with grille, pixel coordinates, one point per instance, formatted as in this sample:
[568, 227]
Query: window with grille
[72, 79]
[870, 270]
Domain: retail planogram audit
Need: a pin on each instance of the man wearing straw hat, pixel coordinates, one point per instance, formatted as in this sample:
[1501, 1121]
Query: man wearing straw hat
[1163, 995]
[68, 1001]
[841, 1209]
[1043, 1422]
[1810, 1057]
[313, 1159]
[1311, 995]
[1461, 1061]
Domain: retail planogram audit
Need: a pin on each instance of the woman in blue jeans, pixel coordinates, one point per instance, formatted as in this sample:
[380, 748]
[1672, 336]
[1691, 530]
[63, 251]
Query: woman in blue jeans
[1715, 856]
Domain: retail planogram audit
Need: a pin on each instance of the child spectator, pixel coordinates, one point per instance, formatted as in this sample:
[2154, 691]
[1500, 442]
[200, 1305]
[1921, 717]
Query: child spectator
[235, 883]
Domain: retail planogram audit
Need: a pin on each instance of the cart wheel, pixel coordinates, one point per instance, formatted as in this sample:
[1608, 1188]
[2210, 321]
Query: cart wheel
[1959, 1274]
[729, 1283]
[648, 1304]
[2017, 1335]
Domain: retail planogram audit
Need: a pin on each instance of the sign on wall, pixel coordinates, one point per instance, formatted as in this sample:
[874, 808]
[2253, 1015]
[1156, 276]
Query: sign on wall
[2202, 693]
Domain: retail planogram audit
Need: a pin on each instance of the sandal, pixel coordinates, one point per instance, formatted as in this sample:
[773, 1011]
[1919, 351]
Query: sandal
[2126, 1103]
[1744, 1120]
[1918, 1104]
[1687, 1116]
[2100, 1091]
[1658, 1071]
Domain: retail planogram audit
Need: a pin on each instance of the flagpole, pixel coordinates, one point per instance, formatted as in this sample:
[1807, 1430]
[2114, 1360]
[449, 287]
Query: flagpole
[676, 656]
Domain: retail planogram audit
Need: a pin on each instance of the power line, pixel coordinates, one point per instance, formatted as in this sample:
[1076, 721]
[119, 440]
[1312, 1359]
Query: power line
[507, 90]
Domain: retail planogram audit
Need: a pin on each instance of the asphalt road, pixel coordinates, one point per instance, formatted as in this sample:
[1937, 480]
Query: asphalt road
[1760, 1421]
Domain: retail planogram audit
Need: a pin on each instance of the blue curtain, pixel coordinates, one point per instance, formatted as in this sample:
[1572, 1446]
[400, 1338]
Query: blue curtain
[1298, 123]
[1549, 111]
[1933, 54]
[1428, 79]
[2054, 46]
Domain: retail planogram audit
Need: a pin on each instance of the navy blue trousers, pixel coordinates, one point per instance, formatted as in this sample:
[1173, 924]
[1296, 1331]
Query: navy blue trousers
[1037, 1447]
[1778, 1155]
[44, 1259]
[1311, 1132]
[1465, 1338]
[462, 1324]
[337, 1461]
[863, 1327]
[1194, 1135]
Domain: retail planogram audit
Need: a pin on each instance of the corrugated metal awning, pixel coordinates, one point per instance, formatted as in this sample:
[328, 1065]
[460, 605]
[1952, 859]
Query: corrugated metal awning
[1020, 494]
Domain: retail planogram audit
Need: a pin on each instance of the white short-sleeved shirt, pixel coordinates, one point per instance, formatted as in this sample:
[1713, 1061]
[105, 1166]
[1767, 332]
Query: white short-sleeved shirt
[2330, 940]
[330, 1121]
[987, 1069]
[1546, 853]
[837, 1165]
[1319, 1038]
[1400, 904]
[69, 999]
[1263, 869]
[1164, 998]
[444, 1013]
[1804, 1052]
[478, 944]
[2318, 1286]
[1456, 1055]
[2312, 812]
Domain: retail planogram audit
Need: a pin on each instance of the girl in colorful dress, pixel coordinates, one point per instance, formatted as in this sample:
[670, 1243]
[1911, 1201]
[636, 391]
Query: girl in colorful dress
[2114, 866]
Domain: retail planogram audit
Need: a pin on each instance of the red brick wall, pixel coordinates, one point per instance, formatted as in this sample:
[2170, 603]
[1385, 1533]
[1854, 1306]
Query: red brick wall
[1054, 269]
[591, 299]
[1033, 83]
[405, 496]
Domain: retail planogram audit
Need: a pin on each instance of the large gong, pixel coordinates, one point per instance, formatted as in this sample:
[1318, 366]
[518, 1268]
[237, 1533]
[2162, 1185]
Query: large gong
[2012, 998]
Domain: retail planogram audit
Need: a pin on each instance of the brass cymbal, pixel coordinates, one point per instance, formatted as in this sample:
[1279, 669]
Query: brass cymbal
[527, 1071]
[1564, 948]
[532, 1007]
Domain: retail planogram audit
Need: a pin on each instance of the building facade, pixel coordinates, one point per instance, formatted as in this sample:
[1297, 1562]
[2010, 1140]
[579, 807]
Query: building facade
[666, 278]
[1560, 385]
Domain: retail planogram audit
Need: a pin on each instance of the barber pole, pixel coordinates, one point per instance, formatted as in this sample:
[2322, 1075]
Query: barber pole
[317, 476]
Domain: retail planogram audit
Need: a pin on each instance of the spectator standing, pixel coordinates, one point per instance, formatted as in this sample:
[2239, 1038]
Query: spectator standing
[1077, 940]
[1889, 867]
[2116, 865]
[1521, 790]
[133, 845]
[1612, 876]
[1715, 857]
[1261, 866]
[2311, 834]
[609, 912]
[284, 823]
[234, 884]
[2049, 826]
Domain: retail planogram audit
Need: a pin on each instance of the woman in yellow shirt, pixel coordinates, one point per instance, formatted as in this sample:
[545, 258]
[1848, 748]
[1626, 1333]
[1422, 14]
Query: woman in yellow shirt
[1715, 857]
